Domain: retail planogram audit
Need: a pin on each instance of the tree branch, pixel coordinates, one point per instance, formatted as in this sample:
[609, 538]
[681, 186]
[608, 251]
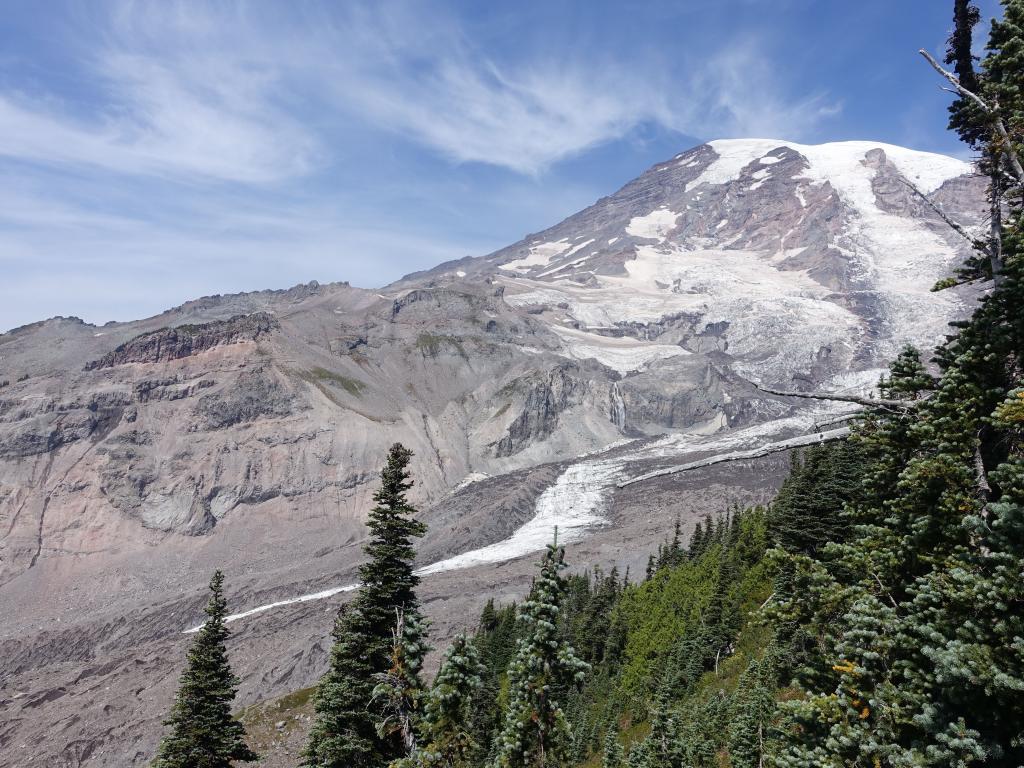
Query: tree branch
[975, 242]
[898, 405]
[997, 122]
[984, 489]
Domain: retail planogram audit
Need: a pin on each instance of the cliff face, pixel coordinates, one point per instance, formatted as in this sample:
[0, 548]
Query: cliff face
[245, 432]
[181, 341]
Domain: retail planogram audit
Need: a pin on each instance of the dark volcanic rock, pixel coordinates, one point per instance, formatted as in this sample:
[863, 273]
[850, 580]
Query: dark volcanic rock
[185, 340]
[255, 394]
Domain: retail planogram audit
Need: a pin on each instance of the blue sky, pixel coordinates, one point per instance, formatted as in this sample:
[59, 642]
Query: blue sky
[155, 152]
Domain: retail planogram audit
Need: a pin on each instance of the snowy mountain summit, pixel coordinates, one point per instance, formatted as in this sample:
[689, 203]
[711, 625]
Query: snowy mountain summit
[787, 257]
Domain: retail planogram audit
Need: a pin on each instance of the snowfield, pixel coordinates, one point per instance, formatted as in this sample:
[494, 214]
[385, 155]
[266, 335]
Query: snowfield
[654, 226]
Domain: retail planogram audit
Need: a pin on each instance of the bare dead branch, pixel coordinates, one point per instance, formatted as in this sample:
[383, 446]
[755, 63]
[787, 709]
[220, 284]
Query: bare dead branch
[995, 250]
[816, 438]
[897, 405]
[837, 419]
[974, 242]
[878, 581]
[981, 476]
[997, 122]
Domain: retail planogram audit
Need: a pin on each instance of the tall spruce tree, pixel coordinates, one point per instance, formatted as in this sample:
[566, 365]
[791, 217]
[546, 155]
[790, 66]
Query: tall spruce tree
[753, 714]
[535, 731]
[345, 727]
[203, 734]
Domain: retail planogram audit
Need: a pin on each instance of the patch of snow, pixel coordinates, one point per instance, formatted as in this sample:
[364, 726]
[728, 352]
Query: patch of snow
[579, 247]
[322, 595]
[472, 477]
[623, 354]
[574, 504]
[460, 273]
[539, 256]
[101, 333]
[654, 226]
[612, 241]
[567, 265]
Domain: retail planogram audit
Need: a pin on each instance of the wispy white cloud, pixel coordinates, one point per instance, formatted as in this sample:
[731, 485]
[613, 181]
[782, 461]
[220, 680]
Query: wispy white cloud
[219, 146]
[204, 91]
[422, 78]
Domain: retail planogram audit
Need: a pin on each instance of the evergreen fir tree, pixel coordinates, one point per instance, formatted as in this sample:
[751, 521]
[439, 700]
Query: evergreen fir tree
[698, 542]
[536, 733]
[399, 690]
[445, 731]
[701, 733]
[387, 579]
[752, 713]
[345, 732]
[663, 742]
[964, 115]
[639, 755]
[614, 756]
[203, 734]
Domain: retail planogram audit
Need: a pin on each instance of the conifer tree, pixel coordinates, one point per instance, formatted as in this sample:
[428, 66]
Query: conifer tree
[345, 727]
[964, 114]
[203, 734]
[752, 713]
[535, 732]
[698, 541]
[446, 740]
[387, 579]
[663, 746]
[614, 756]
[701, 733]
[399, 690]
[639, 755]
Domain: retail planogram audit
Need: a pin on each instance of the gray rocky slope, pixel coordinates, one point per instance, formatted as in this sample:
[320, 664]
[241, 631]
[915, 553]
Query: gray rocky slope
[245, 432]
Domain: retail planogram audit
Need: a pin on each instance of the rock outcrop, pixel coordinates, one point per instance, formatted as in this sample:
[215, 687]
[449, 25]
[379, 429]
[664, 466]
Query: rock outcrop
[168, 344]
